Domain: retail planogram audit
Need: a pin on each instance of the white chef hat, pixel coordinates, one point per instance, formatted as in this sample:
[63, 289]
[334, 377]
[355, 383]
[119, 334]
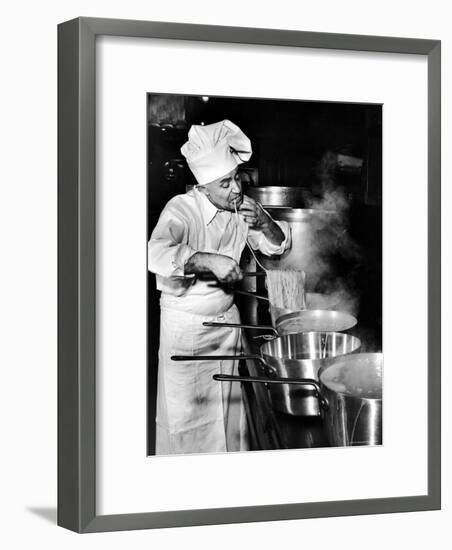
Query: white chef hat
[215, 149]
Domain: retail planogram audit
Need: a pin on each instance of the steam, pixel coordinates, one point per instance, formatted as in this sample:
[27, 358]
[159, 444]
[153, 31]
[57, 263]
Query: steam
[333, 252]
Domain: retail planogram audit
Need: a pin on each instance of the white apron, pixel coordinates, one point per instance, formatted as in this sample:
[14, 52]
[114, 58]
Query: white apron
[196, 414]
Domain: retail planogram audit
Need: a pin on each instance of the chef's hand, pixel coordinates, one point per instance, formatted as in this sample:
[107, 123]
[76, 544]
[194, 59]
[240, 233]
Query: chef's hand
[253, 213]
[257, 218]
[225, 269]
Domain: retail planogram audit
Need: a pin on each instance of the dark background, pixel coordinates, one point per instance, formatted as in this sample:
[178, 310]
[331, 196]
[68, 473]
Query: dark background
[294, 143]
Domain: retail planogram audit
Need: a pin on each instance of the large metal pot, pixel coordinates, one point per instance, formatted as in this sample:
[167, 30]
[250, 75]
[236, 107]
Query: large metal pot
[272, 195]
[352, 389]
[297, 356]
[302, 356]
[314, 239]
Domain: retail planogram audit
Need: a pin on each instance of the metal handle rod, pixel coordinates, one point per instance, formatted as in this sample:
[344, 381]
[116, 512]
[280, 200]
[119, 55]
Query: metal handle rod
[265, 380]
[252, 294]
[253, 273]
[309, 382]
[214, 357]
[209, 276]
[238, 325]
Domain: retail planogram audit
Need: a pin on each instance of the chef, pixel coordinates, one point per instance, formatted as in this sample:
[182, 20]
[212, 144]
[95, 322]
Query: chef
[202, 234]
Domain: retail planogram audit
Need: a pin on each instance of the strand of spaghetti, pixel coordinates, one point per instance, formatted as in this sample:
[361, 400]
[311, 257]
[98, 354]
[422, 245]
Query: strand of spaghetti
[286, 288]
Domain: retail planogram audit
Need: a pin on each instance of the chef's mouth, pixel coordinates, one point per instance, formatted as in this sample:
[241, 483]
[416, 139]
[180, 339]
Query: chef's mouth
[237, 201]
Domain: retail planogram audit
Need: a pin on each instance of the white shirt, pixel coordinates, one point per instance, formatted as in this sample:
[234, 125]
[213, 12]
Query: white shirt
[188, 224]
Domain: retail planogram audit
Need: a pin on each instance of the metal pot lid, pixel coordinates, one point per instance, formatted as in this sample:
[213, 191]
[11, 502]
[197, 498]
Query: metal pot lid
[315, 320]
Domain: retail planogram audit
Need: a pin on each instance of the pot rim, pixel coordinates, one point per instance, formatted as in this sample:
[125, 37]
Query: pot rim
[333, 361]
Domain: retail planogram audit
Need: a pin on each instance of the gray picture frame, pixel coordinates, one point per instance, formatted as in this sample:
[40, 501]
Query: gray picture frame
[77, 275]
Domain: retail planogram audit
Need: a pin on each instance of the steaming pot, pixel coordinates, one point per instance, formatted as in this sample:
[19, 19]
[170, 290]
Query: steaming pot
[351, 390]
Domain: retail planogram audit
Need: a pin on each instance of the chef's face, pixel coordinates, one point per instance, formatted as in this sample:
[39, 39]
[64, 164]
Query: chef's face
[225, 192]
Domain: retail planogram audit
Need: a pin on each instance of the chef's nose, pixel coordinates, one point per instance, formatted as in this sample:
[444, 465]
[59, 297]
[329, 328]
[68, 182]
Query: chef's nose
[236, 187]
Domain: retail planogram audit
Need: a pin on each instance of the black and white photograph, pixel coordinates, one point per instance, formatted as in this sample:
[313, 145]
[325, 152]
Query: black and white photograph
[264, 258]
[226, 275]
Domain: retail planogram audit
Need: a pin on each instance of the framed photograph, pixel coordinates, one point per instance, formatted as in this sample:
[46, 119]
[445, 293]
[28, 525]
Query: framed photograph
[249, 275]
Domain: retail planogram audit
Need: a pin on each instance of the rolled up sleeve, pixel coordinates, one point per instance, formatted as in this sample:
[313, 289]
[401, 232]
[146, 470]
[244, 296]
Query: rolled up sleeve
[167, 248]
[260, 242]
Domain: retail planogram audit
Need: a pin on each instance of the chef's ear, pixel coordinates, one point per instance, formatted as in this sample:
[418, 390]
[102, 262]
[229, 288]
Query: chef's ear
[203, 189]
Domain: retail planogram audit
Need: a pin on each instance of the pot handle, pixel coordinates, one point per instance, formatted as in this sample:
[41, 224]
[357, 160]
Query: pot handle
[266, 337]
[238, 325]
[264, 380]
[309, 382]
[252, 295]
[214, 357]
